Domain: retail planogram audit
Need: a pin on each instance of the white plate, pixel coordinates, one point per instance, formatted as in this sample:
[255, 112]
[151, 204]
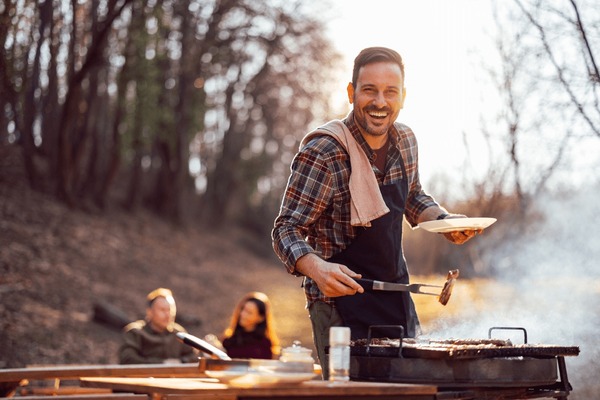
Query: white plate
[246, 379]
[456, 224]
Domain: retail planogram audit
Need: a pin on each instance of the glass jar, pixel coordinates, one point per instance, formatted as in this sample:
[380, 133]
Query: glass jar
[298, 357]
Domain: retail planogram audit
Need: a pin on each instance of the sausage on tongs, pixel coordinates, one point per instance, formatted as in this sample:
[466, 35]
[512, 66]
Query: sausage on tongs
[447, 289]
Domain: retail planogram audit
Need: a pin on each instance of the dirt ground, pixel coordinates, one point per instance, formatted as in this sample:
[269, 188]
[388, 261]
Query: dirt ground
[56, 263]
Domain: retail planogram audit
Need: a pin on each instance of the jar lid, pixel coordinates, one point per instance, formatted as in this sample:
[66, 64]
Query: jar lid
[339, 335]
[296, 353]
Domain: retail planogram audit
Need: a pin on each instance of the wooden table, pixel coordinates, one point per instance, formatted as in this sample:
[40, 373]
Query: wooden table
[14, 380]
[76, 371]
[206, 388]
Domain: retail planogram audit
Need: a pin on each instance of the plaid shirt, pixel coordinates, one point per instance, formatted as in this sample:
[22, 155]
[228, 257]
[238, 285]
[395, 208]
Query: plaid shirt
[315, 211]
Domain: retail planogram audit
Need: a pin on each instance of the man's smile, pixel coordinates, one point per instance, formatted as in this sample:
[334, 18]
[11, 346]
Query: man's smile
[377, 114]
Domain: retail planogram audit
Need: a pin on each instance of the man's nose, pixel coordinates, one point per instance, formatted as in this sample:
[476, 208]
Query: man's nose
[379, 100]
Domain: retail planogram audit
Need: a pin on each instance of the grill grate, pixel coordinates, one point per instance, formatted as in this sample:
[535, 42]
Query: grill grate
[458, 349]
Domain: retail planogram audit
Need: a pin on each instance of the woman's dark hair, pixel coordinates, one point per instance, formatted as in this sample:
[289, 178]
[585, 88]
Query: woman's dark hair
[375, 54]
[261, 328]
[265, 329]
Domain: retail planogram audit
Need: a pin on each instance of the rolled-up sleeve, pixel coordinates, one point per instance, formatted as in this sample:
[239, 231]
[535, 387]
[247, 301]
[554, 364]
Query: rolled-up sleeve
[417, 203]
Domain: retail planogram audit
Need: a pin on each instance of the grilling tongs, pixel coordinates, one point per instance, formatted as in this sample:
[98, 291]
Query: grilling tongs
[444, 295]
[202, 345]
[370, 284]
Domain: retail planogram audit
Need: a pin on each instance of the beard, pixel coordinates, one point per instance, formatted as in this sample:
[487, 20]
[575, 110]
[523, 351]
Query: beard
[361, 118]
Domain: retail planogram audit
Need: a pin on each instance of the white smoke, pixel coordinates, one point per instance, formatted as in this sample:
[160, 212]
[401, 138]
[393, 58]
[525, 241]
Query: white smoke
[548, 283]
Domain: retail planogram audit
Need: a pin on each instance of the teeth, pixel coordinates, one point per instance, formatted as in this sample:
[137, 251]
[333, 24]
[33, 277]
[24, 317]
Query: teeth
[378, 114]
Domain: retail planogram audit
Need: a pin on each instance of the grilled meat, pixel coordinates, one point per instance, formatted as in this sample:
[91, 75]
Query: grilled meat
[448, 286]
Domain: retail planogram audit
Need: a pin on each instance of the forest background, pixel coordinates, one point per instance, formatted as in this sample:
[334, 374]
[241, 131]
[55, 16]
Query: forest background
[147, 143]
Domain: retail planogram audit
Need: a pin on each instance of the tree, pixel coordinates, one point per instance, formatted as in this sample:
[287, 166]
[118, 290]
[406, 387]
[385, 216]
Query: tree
[546, 77]
[106, 98]
[269, 98]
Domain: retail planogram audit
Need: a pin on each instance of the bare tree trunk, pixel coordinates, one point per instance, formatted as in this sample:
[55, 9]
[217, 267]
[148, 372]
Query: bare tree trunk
[222, 182]
[113, 155]
[51, 107]
[68, 150]
[114, 145]
[135, 180]
[183, 118]
[31, 105]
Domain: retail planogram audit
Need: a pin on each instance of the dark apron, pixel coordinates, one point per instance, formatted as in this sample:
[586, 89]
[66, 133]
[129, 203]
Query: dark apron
[376, 253]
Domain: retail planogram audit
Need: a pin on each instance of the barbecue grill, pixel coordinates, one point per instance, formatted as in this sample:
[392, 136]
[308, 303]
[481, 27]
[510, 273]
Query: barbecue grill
[465, 369]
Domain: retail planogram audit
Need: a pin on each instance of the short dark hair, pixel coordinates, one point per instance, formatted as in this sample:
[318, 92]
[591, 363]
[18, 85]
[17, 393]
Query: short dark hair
[375, 54]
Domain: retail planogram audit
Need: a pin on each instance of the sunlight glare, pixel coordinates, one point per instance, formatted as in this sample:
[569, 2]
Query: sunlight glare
[442, 44]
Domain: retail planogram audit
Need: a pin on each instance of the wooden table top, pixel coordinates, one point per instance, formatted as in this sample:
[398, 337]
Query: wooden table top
[208, 388]
[106, 370]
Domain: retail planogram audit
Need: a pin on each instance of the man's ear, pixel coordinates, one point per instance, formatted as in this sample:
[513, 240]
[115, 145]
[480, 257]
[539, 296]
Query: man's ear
[350, 90]
[403, 98]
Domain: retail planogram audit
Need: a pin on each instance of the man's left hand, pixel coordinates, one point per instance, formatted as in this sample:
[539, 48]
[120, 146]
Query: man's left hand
[456, 237]
[460, 237]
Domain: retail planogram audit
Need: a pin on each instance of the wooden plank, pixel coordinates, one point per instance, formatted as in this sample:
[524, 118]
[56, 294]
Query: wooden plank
[77, 371]
[211, 387]
[57, 391]
[195, 397]
[301, 397]
[99, 396]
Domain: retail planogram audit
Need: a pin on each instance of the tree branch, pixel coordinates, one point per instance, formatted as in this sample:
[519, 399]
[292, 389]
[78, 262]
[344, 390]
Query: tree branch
[559, 69]
[596, 74]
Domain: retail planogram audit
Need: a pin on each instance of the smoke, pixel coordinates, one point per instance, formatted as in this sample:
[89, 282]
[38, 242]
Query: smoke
[549, 283]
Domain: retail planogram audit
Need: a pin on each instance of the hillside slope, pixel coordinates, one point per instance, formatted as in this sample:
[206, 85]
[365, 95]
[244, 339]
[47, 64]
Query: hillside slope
[56, 263]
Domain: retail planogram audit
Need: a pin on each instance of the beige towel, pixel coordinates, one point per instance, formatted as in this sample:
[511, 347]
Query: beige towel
[366, 201]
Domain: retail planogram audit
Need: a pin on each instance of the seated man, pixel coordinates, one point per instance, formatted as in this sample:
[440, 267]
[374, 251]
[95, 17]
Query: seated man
[153, 340]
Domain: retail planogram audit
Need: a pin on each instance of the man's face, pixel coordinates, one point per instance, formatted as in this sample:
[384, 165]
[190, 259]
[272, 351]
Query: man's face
[160, 315]
[378, 97]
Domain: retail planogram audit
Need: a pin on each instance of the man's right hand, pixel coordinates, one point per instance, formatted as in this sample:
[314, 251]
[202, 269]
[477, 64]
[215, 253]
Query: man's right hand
[333, 280]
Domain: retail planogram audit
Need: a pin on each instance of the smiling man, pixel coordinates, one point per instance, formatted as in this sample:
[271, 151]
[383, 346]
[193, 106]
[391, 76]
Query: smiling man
[351, 184]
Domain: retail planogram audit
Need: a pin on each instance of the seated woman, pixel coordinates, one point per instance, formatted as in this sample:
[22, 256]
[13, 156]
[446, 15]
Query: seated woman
[251, 333]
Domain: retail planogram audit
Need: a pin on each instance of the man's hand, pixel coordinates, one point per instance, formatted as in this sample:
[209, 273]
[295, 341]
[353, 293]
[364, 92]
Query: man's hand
[457, 237]
[333, 280]
[460, 237]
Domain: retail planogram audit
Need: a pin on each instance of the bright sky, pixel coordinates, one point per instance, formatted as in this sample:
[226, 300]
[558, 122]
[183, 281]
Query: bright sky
[442, 43]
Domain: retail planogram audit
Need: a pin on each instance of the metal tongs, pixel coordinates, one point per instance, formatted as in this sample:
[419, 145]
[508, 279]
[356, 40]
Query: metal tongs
[370, 284]
[444, 295]
[202, 345]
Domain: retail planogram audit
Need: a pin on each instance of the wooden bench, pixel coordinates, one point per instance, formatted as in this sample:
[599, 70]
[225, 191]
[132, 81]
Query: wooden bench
[14, 378]
[96, 396]
[58, 391]
[118, 370]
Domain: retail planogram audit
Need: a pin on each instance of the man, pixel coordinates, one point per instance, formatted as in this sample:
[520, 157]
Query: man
[153, 340]
[351, 184]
